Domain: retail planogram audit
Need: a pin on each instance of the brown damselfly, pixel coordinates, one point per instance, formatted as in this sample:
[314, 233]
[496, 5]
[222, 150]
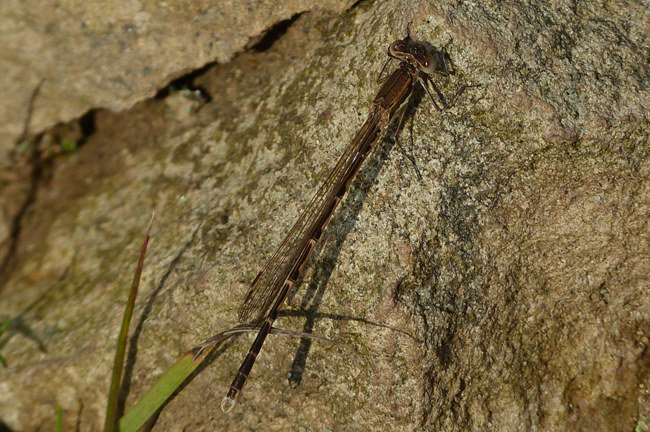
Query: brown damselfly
[270, 288]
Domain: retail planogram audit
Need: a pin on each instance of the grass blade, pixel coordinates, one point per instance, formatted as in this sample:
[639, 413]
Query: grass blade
[118, 364]
[171, 381]
[59, 419]
[3, 328]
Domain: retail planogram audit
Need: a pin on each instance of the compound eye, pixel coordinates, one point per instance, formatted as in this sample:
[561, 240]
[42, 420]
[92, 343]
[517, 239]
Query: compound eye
[397, 48]
[428, 64]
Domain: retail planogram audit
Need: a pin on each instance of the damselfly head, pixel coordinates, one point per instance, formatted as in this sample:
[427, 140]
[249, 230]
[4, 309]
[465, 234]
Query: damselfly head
[417, 55]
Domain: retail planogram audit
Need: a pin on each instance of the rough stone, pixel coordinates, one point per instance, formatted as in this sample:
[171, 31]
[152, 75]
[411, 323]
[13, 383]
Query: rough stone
[505, 290]
[112, 54]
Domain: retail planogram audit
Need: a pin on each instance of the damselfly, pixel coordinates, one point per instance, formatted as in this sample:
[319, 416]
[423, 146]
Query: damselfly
[270, 288]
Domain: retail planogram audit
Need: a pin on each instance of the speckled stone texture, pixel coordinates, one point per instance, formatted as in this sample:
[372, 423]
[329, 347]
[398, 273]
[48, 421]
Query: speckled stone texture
[506, 290]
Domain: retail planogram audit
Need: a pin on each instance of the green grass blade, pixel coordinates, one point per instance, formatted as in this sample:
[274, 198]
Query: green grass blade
[59, 419]
[171, 381]
[154, 399]
[118, 364]
[3, 328]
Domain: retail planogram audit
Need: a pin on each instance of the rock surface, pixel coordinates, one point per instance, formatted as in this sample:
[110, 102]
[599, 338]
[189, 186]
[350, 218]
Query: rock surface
[112, 54]
[505, 290]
